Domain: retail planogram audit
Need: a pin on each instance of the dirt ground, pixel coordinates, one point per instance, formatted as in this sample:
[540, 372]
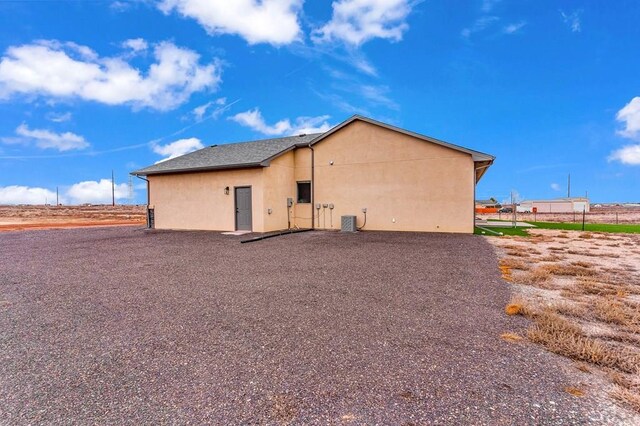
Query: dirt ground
[582, 292]
[128, 326]
[609, 214]
[16, 218]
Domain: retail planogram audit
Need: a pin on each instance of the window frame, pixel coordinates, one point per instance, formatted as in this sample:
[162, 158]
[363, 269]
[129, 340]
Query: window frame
[298, 199]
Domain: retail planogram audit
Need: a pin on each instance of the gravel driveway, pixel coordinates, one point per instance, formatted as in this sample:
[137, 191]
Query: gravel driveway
[124, 326]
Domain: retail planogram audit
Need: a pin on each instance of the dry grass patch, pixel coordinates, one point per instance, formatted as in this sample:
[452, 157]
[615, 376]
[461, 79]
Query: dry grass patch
[585, 236]
[570, 270]
[571, 309]
[581, 264]
[514, 264]
[587, 285]
[551, 258]
[627, 397]
[536, 276]
[617, 312]
[565, 338]
[518, 254]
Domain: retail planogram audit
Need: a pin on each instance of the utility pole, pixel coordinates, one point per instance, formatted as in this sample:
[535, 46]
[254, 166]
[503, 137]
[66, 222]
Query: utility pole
[113, 190]
[57, 199]
[569, 186]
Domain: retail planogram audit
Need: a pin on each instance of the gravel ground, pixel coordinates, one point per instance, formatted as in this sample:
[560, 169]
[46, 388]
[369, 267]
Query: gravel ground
[124, 326]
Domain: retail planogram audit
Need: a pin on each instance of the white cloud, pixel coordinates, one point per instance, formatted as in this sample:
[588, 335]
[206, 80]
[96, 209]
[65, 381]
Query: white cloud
[378, 95]
[355, 22]
[488, 5]
[254, 120]
[59, 117]
[514, 28]
[177, 148]
[136, 44]
[95, 192]
[480, 24]
[57, 70]
[16, 194]
[630, 116]
[47, 139]
[572, 20]
[555, 187]
[267, 21]
[201, 110]
[629, 154]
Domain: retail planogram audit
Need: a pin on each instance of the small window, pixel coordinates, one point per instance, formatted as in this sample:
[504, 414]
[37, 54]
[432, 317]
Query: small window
[304, 192]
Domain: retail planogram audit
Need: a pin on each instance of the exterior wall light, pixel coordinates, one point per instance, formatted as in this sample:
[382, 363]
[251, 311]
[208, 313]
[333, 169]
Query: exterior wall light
[226, 190]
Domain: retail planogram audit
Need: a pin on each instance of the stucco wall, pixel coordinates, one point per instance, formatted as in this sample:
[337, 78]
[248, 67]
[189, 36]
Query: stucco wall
[405, 183]
[302, 212]
[279, 185]
[198, 201]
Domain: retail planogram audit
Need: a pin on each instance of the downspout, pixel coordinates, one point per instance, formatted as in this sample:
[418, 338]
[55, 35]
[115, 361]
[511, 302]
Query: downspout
[148, 197]
[148, 189]
[313, 187]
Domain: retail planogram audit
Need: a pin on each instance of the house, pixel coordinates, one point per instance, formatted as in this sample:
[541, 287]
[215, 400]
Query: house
[559, 205]
[487, 206]
[390, 178]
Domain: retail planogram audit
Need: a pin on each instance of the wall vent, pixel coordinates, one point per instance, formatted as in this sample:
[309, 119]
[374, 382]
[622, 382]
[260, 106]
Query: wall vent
[348, 224]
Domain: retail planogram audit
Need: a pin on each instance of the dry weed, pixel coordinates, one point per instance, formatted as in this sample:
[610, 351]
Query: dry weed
[586, 236]
[551, 258]
[518, 306]
[587, 285]
[582, 264]
[612, 311]
[630, 398]
[514, 264]
[574, 391]
[565, 338]
[569, 270]
[570, 309]
[506, 273]
[518, 254]
[511, 337]
[536, 276]
[583, 367]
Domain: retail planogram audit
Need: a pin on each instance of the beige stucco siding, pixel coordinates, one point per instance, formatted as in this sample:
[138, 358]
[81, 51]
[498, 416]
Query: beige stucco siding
[302, 212]
[198, 201]
[405, 183]
[279, 185]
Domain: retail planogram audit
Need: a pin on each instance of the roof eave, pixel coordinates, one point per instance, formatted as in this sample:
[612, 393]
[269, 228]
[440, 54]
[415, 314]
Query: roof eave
[197, 169]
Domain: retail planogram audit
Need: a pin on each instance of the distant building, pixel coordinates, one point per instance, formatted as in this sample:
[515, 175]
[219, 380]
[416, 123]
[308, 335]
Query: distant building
[559, 205]
[490, 203]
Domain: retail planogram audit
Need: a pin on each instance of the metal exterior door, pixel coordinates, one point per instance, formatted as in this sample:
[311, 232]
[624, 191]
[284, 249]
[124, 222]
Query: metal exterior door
[243, 208]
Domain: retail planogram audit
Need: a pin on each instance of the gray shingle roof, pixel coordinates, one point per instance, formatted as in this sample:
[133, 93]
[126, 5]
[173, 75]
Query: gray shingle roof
[233, 155]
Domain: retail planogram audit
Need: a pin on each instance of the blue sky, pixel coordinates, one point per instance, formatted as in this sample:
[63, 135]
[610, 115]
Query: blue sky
[548, 87]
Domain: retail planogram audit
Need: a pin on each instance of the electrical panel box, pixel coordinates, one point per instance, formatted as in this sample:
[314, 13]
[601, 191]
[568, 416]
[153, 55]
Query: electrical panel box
[289, 202]
[348, 224]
